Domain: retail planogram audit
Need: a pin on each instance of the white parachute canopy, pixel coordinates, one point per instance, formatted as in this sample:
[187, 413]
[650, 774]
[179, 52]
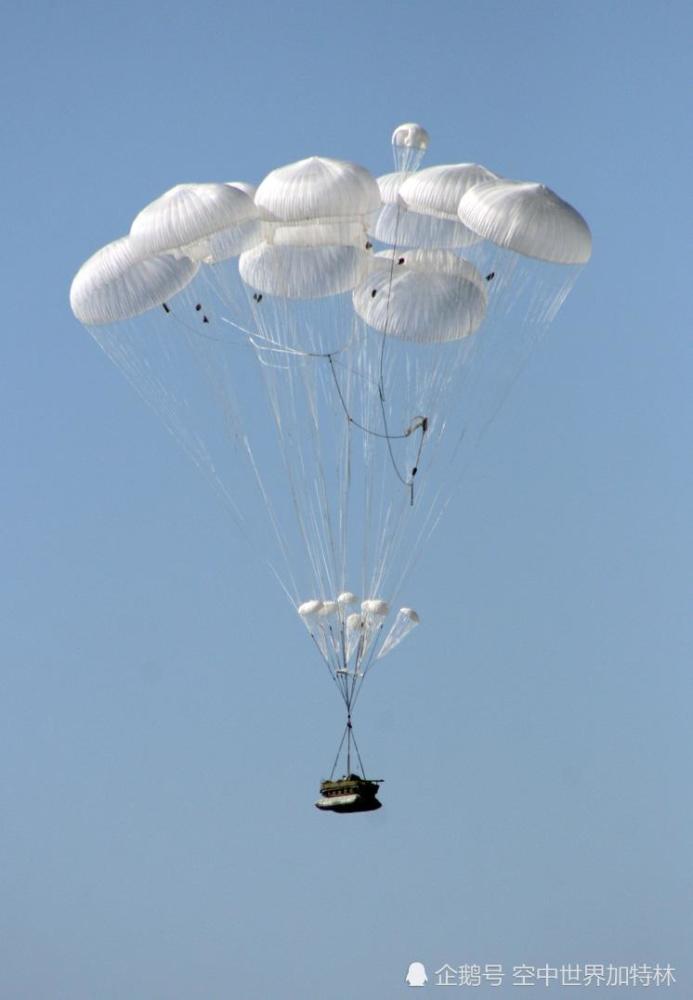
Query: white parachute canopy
[427, 296]
[409, 145]
[118, 283]
[374, 611]
[318, 187]
[420, 208]
[354, 633]
[347, 600]
[317, 202]
[203, 221]
[403, 226]
[303, 272]
[528, 218]
[435, 194]
[407, 619]
[438, 190]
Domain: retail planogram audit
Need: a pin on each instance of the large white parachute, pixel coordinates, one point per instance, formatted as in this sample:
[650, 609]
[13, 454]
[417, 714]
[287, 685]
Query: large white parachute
[327, 347]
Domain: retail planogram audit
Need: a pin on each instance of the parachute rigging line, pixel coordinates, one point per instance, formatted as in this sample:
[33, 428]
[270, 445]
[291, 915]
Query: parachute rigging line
[381, 384]
[367, 430]
[348, 734]
[418, 423]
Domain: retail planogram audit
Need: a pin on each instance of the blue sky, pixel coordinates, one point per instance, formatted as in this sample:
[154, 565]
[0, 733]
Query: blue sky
[160, 743]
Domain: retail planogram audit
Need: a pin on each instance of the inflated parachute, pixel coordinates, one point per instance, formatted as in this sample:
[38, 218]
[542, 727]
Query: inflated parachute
[328, 346]
[117, 283]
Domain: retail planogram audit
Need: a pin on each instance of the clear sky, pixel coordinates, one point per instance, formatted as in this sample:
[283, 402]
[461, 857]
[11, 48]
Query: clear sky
[163, 720]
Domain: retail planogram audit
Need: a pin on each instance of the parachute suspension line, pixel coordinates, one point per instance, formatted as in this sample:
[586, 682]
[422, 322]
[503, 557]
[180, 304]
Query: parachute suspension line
[232, 420]
[309, 493]
[326, 661]
[348, 736]
[349, 683]
[343, 514]
[387, 307]
[436, 509]
[339, 751]
[167, 404]
[352, 739]
[278, 348]
[419, 423]
[360, 675]
[269, 507]
[343, 643]
[265, 497]
[381, 379]
[306, 533]
[329, 544]
[361, 427]
[415, 467]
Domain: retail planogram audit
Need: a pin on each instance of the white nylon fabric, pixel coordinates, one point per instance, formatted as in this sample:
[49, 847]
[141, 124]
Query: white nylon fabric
[390, 185]
[227, 243]
[303, 272]
[189, 213]
[375, 606]
[407, 619]
[402, 228]
[410, 134]
[374, 611]
[354, 633]
[321, 232]
[117, 283]
[318, 187]
[409, 145]
[431, 198]
[430, 262]
[347, 599]
[437, 191]
[528, 218]
[310, 608]
[425, 296]
[425, 215]
[244, 186]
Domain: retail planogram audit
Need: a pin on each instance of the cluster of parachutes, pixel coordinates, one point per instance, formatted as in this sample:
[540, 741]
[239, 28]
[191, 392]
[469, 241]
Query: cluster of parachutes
[325, 346]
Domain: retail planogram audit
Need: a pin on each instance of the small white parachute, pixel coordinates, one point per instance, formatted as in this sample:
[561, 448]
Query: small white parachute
[407, 619]
[309, 608]
[410, 135]
[409, 144]
[347, 600]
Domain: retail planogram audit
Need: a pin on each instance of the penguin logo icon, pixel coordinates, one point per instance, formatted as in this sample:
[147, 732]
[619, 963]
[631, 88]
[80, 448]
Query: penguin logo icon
[416, 975]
